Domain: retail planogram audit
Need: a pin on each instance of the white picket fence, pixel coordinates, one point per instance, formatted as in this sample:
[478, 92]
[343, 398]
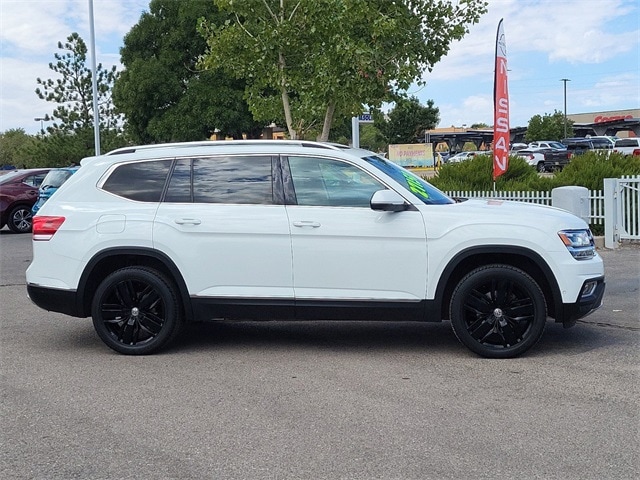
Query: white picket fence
[596, 200]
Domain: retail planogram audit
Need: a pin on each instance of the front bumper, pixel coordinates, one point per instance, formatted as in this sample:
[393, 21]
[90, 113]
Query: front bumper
[589, 300]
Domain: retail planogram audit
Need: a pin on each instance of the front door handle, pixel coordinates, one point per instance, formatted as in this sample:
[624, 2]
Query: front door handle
[306, 223]
[187, 221]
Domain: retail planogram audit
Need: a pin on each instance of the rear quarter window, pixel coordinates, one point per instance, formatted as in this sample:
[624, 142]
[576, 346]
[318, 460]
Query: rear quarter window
[140, 181]
[628, 142]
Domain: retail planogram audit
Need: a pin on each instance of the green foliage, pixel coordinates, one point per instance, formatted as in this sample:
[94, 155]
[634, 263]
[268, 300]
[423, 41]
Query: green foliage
[407, 120]
[61, 148]
[310, 61]
[548, 127]
[590, 169]
[587, 170]
[476, 175]
[73, 92]
[161, 91]
[71, 136]
[14, 146]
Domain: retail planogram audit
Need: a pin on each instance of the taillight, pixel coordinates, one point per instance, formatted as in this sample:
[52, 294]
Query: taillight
[636, 152]
[44, 228]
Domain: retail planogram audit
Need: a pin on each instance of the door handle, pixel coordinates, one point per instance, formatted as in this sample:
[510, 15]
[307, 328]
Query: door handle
[187, 221]
[306, 223]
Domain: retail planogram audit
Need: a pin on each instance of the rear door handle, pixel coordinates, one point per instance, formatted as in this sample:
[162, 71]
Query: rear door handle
[187, 221]
[306, 223]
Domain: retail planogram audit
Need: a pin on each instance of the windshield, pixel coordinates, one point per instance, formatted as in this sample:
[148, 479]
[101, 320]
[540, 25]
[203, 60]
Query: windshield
[55, 178]
[422, 190]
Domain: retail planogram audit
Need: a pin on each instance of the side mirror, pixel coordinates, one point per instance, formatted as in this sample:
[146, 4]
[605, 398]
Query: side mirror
[388, 201]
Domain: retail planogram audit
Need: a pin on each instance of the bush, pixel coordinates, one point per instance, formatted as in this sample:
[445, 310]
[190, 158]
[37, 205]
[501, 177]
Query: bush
[587, 170]
[477, 175]
[590, 169]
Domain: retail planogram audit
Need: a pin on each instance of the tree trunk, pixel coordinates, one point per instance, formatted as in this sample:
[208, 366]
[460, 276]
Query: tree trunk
[328, 120]
[293, 135]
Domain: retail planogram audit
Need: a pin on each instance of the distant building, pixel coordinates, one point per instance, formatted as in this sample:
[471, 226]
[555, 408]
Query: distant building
[623, 123]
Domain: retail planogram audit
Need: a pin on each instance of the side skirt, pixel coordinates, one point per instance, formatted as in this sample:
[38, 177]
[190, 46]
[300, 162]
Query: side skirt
[269, 309]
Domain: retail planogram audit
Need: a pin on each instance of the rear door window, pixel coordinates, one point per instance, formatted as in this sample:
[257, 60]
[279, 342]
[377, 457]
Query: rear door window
[225, 179]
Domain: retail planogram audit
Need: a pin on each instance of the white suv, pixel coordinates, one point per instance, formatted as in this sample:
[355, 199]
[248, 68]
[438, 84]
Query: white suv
[148, 239]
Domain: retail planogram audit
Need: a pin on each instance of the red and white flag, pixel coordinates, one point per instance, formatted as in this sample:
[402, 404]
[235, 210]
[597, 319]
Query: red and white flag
[501, 107]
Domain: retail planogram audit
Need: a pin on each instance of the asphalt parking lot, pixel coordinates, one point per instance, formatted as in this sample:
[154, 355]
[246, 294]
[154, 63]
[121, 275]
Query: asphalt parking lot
[336, 400]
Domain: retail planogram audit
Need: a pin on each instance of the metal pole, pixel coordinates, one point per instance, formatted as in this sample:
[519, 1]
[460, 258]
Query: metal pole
[355, 132]
[565, 80]
[94, 78]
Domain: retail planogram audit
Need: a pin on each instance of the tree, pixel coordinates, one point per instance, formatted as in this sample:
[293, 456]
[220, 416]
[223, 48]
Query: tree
[73, 92]
[548, 127]
[310, 61]
[73, 117]
[161, 92]
[408, 120]
[14, 144]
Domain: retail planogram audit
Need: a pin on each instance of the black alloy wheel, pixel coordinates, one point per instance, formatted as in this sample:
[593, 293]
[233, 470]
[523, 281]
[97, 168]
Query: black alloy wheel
[498, 311]
[20, 219]
[136, 311]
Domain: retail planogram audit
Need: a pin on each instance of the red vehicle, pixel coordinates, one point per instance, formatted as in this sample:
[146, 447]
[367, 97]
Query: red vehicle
[18, 193]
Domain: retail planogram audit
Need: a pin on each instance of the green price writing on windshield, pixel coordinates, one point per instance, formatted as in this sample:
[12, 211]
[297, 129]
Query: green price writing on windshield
[415, 186]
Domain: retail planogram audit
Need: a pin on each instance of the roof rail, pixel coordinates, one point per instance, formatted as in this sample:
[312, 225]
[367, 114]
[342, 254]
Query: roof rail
[226, 143]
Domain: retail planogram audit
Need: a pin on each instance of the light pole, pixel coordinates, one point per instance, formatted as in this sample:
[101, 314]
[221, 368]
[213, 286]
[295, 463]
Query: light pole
[41, 120]
[94, 78]
[565, 80]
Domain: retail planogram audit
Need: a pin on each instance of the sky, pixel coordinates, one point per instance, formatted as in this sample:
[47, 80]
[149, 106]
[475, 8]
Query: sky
[593, 43]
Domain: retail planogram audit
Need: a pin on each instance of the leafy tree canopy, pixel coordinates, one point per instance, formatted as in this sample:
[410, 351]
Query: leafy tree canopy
[161, 91]
[13, 147]
[408, 120]
[311, 61]
[548, 127]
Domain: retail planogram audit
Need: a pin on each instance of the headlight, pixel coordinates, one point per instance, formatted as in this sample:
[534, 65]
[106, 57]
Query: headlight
[579, 243]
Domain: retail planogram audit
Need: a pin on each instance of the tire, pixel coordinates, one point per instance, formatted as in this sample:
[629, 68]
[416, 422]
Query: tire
[20, 219]
[498, 311]
[540, 167]
[136, 311]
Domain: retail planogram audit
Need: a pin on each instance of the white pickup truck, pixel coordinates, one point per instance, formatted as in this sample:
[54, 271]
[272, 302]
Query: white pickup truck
[627, 146]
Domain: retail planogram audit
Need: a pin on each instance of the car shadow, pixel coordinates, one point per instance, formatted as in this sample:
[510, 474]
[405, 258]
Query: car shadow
[345, 335]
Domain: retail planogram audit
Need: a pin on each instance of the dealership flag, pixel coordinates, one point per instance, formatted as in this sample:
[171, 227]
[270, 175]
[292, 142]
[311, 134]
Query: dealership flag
[500, 108]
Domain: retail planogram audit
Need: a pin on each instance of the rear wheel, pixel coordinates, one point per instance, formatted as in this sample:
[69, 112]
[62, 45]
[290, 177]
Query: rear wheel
[498, 311]
[136, 311]
[541, 168]
[19, 220]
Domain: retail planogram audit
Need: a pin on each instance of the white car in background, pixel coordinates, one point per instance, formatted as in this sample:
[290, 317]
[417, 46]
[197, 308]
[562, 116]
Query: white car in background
[462, 156]
[533, 157]
[548, 144]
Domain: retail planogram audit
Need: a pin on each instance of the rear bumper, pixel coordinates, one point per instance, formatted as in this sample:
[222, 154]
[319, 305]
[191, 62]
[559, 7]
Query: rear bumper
[55, 300]
[590, 299]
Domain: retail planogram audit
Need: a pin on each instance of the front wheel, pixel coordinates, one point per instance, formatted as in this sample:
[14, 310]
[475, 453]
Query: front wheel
[498, 311]
[19, 219]
[541, 168]
[136, 311]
